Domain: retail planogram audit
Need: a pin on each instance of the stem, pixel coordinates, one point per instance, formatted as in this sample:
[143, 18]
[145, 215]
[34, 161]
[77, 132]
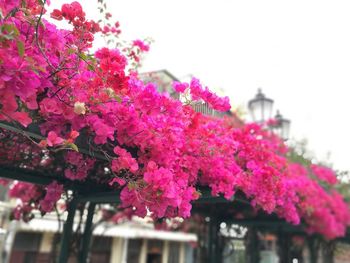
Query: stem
[37, 36]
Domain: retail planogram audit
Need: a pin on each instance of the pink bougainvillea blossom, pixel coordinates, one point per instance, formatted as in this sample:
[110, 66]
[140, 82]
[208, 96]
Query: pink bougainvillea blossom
[53, 194]
[199, 93]
[324, 173]
[53, 139]
[141, 45]
[106, 127]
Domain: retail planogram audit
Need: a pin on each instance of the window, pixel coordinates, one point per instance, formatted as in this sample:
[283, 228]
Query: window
[174, 252]
[134, 250]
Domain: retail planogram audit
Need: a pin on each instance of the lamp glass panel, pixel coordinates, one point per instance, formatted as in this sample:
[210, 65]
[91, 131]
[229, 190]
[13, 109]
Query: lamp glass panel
[285, 126]
[277, 129]
[266, 110]
[255, 110]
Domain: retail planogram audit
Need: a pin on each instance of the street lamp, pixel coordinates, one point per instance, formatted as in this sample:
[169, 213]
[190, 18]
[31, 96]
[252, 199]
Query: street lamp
[260, 110]
[281, 127]
[260, 107]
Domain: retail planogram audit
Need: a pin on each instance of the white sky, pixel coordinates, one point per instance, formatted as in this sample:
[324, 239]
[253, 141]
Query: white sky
[297, 51]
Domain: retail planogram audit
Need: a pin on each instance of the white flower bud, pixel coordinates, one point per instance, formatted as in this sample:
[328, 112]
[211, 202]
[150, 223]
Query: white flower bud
[79, 108]
[110, 92]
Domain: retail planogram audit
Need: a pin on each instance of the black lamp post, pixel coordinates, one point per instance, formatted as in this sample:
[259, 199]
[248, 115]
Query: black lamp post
[260, 109]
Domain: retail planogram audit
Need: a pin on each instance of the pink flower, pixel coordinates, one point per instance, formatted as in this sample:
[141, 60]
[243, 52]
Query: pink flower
[79, 166]
[111, 60]
[324, 173]
[56, 14]
[124, 161]
[53, 139]
[48, 105]
[117, 180]
[72, 136]
[180, 87]
[198, 93]
[72, 11]
[141, 45]
[22, 117]
[53, 194]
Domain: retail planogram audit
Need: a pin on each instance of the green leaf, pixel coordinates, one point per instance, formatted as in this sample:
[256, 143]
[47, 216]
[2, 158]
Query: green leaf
[20, 48]
[36, 72]
[73, 147]
[117, 98]
[11, 29]
[5, 37]
[40, 68]
[83, 56]
[71, 51]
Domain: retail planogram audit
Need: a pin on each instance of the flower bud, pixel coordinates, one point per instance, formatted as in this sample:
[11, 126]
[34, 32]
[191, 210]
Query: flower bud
[110, 92]
[79, 108]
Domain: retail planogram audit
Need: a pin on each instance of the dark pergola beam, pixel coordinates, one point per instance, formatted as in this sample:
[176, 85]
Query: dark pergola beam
[87, 193]
[10, 127]
[29, 176]
[34, 135]
[25, 175]
[112, 197]
[259, 221]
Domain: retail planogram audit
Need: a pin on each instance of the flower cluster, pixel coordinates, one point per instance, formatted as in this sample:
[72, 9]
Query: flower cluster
[34, 197]
[79, 166]
[52, 195]
[153, 148]
[198, 93]
[141, 45]
[324, 174]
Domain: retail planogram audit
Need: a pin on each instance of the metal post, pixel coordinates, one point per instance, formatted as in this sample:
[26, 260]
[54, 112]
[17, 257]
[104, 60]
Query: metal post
[87, 234]
[284, 246]
[313, 243]
[67, 233]
[256, 252]
[213, 240]
[328, 249]
[252, 245]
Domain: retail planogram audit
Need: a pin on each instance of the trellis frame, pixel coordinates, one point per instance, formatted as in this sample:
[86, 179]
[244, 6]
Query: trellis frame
[88, 192]
[82, 194]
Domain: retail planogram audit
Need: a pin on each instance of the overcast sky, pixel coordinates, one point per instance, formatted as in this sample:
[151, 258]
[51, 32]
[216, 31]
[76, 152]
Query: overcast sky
[297, 51]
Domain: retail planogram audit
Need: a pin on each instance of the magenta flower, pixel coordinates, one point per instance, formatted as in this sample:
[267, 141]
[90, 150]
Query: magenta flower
[141, 45]
[180, 87]
[53, 139]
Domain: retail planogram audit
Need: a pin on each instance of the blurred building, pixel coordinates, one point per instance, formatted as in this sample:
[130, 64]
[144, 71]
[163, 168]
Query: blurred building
[164, 80]
[133, 242]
